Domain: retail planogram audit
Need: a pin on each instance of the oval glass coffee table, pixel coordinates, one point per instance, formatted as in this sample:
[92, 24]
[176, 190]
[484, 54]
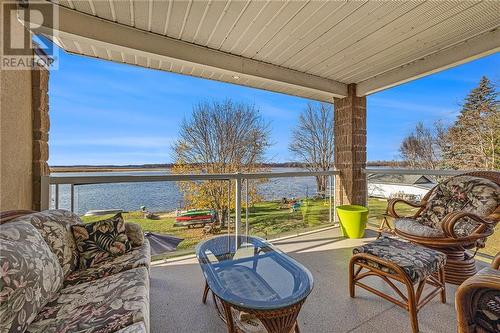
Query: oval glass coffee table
[253, 284]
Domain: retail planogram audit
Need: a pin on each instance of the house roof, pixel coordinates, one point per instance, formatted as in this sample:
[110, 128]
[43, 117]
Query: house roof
[420, 180]
[312, 49]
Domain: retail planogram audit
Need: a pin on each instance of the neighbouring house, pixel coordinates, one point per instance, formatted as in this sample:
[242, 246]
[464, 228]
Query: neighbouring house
[412, 187]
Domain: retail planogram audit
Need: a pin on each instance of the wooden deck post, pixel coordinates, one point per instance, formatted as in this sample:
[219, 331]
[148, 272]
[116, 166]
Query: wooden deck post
[350, 148]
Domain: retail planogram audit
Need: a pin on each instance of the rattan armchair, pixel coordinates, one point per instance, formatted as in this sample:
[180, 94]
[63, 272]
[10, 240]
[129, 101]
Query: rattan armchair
[449, 234]
[477, 301]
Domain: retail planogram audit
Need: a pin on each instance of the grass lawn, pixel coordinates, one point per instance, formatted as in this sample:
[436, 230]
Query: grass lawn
[269, 220]
[266, 219]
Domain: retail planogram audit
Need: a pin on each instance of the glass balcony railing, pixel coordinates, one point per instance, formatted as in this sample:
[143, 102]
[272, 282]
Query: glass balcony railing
[270, 205]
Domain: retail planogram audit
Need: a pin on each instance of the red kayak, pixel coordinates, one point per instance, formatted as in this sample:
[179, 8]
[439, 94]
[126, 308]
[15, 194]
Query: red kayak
[193, 218]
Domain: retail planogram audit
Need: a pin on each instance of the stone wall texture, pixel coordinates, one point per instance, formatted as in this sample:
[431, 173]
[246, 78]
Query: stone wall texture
[41, 126]
[350, 148]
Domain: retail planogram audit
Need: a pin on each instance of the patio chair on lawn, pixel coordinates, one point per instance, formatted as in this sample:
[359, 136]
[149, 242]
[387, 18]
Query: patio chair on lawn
[478, 301]
[456, 215]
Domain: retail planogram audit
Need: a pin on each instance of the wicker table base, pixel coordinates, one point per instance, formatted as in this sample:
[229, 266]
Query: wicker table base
[273, 321]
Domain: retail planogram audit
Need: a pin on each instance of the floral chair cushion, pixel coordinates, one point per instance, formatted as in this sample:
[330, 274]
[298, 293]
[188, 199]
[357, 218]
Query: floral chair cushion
[101, 306]
[138, 257]
[101, 240]
[413, 227]
[30, 275]
[54, 226]
[463, 193]
[488, 305]
[416, 261]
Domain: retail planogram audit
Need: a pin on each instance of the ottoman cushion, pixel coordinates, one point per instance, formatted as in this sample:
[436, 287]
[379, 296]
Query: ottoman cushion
[416, 261]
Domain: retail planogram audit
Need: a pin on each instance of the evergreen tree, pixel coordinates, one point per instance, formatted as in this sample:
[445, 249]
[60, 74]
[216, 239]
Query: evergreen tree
[473, 141]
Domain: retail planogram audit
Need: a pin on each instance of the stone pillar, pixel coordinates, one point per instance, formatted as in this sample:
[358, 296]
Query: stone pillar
[350, 148]
[41, 125]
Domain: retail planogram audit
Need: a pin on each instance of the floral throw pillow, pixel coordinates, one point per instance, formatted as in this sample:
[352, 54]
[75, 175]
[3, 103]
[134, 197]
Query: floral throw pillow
[101, 240]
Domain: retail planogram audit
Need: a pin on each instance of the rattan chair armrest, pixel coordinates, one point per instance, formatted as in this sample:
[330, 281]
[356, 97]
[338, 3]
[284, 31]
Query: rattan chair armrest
[391, 206]
[450, 220]
[466, 303]
[495, 264]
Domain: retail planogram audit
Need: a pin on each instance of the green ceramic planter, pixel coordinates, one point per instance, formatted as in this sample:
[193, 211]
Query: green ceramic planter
[353, 220]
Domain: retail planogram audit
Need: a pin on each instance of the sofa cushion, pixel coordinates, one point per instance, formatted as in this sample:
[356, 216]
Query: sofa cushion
[101, 306]
[413, 227]
[416, 261]
[30, 275]
[462, 193]
[54, 226]
[138, 257]
[134, 233]
[101, 240]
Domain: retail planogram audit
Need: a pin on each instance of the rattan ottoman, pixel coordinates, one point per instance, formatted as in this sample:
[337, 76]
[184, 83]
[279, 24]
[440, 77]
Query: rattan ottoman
[395, 260]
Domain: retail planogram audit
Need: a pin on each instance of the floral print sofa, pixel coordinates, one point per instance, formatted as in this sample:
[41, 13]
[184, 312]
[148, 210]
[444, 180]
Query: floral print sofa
[42, 288]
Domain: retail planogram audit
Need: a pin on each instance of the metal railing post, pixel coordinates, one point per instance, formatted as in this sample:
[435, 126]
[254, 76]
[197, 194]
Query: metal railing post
[44, 193]
[330, 217]
[334, 198]
[56, 198]
[228, 206]
[237, 208]
[367, 196]
[228, 223]
[247, 227]
[72, 198]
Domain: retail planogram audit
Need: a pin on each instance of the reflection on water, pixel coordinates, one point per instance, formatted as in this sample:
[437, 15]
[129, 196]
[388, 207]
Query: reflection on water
[163, 196]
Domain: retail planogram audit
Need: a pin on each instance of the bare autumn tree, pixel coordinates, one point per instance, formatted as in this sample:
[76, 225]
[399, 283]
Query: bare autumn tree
[474, 138]
[312, 140]
[422, 148]
[219, 137]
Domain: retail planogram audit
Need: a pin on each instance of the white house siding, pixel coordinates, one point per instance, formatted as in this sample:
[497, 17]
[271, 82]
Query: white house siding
[389, 190]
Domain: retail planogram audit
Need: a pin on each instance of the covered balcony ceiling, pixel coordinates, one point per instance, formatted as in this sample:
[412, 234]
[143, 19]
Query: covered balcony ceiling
[311, 49]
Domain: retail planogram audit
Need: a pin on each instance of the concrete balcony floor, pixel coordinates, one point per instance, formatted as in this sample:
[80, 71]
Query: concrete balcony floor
[177, 286]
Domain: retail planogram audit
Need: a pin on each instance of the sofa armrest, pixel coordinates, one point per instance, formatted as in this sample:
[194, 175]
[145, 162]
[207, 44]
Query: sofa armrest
[134, 233]
[391, 206]
[8, 215]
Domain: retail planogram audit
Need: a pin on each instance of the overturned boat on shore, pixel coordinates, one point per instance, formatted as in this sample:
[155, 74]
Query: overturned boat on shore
[195, 217]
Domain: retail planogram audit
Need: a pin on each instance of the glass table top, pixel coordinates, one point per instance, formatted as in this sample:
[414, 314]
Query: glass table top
[254, 274]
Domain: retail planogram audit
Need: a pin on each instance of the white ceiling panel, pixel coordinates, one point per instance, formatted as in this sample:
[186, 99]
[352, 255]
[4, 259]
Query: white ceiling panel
[312, 49]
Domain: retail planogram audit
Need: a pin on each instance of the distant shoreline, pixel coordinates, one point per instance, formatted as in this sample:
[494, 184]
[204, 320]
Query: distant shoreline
[161, 167]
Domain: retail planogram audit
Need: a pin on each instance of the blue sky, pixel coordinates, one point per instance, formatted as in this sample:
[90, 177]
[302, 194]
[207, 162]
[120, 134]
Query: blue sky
[108, 113]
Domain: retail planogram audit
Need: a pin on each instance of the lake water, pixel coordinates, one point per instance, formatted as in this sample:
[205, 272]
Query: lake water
[163, 196]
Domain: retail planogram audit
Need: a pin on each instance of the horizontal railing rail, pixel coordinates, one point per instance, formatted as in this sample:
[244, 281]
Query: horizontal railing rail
[390, 171]
[103, 179]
